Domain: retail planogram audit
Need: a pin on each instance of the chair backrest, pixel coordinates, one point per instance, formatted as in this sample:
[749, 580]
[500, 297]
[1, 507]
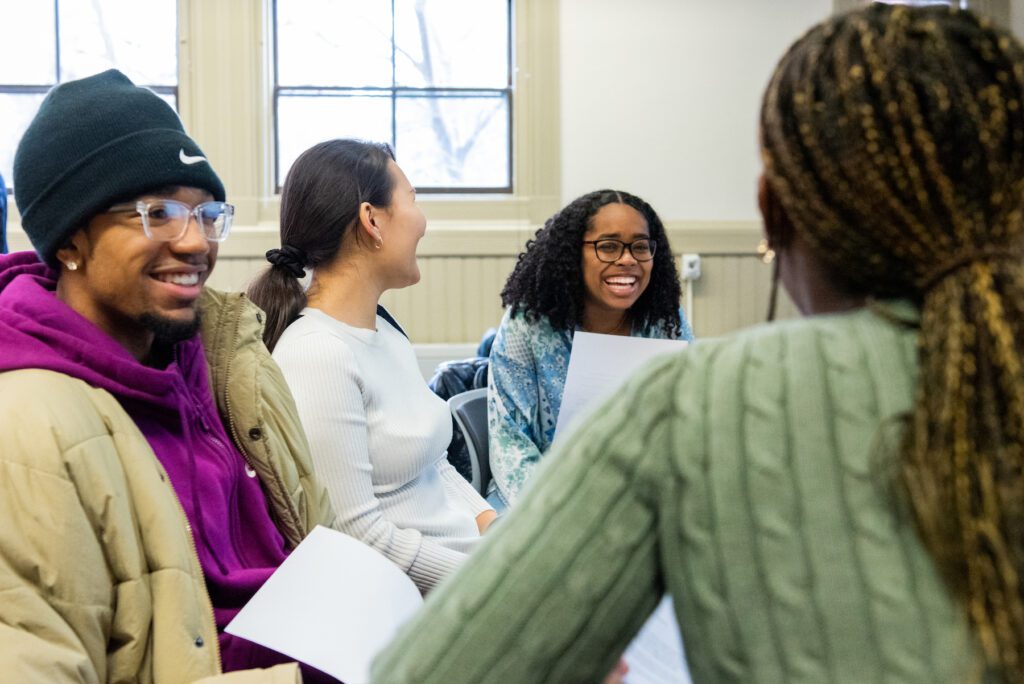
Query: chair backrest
[470, 412]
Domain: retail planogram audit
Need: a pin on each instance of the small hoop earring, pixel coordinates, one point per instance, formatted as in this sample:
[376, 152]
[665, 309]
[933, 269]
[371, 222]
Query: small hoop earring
[766, 253]
[72, 265]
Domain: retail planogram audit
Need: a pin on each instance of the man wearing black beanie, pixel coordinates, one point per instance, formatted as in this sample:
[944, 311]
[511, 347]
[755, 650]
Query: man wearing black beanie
[154, 472]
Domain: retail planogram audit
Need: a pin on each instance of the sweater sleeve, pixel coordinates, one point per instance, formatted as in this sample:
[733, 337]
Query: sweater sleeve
[325, 380]
[457, 488]
[567, 580]
[512, 409]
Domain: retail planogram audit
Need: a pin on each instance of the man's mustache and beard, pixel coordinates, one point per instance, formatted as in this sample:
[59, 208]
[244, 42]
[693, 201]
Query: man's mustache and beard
[166, 334]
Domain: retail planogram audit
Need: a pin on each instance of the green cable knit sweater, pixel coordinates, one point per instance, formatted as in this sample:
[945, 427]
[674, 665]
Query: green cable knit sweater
[753, 478]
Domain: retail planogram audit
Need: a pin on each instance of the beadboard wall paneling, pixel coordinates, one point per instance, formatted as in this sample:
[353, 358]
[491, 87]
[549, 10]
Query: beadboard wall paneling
[733, 293]
[463, 271]
[458, 297]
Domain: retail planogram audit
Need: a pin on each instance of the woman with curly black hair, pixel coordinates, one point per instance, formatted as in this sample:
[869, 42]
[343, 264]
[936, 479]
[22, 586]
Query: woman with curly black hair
[602, 264]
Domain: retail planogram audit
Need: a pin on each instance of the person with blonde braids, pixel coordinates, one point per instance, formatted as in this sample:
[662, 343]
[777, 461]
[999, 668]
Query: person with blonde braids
[837, 498]
[935, 217]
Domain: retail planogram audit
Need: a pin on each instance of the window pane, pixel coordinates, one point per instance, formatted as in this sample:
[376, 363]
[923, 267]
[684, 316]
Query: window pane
[466, 40]
[454, 141]
[16, 111]
[303, 121]
[139, 38]
[27, 53]
[334, 43]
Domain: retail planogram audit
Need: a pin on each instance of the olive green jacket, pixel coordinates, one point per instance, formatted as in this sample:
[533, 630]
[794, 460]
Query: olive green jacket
[99, 578]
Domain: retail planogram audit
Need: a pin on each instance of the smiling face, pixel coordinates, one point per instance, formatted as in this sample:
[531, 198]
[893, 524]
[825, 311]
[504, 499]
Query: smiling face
[611, 289]
[402, 225]
[133, 288]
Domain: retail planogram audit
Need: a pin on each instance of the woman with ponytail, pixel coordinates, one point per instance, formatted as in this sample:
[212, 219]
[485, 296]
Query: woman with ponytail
[377, 433]
[838, 498]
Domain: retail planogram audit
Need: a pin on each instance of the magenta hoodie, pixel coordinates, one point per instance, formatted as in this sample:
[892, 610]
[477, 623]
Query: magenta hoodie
[238, 545]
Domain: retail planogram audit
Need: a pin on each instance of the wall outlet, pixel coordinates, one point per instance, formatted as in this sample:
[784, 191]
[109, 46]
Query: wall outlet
[691, 267]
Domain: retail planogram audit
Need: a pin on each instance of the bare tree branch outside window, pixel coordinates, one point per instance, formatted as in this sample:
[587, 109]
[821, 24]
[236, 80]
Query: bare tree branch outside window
[46, 42]
[432, 77]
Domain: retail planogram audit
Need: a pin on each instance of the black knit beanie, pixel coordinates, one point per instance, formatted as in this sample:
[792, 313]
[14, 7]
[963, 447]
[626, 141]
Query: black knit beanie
[95, 142]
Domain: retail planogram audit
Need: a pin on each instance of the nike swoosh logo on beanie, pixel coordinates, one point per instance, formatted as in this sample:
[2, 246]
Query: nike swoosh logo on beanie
[186, 159]
[122, 144]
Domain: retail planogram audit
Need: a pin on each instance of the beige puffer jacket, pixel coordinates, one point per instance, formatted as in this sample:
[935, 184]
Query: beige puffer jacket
[99, 579]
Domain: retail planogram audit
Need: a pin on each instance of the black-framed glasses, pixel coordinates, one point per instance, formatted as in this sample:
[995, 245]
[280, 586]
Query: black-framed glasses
[610, 250]
[166, 220]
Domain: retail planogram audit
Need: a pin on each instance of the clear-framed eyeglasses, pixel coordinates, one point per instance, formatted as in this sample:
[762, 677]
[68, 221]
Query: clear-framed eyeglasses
[610, 250]
[166, 220]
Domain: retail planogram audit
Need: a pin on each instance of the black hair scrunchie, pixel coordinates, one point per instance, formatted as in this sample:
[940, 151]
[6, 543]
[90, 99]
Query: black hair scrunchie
[291, 259]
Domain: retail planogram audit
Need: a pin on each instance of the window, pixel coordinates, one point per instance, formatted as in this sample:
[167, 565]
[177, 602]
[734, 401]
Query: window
[221, 74]
[432, 77]
[46, 42]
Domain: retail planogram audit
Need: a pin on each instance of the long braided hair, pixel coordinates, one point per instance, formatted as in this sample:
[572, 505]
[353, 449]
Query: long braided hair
[894, 140]
[548, 276]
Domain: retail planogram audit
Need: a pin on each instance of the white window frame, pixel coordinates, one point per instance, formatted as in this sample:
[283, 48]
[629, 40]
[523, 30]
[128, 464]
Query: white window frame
[225, 98]
[395, 91]
[13, 217]
[226, 54]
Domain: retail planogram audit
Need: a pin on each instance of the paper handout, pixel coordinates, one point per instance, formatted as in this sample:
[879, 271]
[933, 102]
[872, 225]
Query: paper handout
[334, 604]
[600, 364]
[656, 655]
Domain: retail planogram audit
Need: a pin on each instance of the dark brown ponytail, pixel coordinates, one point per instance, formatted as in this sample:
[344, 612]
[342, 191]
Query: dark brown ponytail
[319, 202]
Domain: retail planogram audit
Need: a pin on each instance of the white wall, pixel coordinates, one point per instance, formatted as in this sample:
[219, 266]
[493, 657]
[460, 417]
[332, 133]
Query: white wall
[660, 98]
[1017, 17]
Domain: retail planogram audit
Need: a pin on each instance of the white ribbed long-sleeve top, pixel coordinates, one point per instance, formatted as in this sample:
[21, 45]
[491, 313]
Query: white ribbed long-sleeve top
[378, 437]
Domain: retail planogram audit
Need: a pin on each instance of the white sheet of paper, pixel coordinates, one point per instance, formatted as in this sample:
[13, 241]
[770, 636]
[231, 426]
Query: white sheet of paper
[656, 655]
[334, 604]
[600, 364]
